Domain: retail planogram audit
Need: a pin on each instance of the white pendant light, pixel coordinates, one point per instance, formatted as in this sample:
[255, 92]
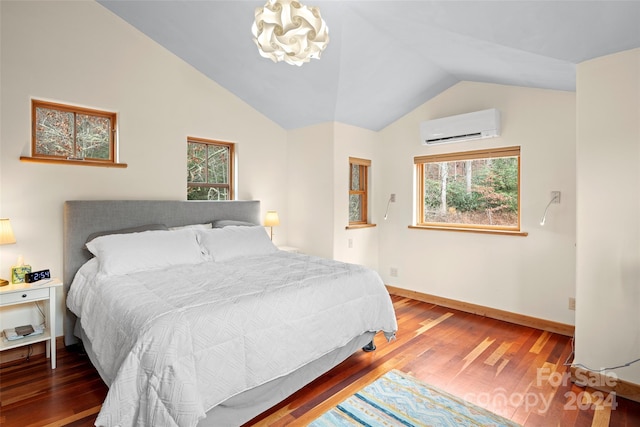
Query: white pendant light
[285, 30]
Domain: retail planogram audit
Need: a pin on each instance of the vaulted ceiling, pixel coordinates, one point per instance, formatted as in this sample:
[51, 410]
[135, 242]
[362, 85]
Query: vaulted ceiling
[385, 58]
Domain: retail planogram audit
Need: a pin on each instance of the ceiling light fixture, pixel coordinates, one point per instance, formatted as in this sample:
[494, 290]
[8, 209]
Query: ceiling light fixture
[285, 30]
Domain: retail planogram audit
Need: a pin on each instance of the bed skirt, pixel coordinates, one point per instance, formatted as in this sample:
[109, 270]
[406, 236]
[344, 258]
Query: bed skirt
[245, 406]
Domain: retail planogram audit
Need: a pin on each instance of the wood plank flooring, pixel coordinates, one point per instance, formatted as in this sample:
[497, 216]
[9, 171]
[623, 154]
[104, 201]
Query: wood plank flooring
[515, 371]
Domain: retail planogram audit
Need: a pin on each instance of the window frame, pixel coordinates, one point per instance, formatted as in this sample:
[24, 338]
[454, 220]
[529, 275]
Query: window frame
[49, 158]
[364, 166]
[230, 186]
[499, 152]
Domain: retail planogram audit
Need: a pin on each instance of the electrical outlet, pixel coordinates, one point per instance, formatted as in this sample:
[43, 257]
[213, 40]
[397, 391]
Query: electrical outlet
[393, 272]
[350, 243]
[572, 303]
[555, 196]
[393, 198]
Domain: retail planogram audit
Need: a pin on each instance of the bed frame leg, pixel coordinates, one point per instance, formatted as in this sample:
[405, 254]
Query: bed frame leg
[369, 347]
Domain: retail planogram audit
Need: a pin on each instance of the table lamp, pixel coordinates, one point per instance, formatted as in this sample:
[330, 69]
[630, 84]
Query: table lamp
[6, 238]
[271, 220]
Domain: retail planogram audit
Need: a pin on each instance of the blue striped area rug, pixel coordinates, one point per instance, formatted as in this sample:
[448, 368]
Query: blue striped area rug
[397, 399]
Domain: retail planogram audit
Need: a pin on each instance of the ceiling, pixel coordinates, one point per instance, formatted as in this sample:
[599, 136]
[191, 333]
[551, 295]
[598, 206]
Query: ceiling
[386, 58]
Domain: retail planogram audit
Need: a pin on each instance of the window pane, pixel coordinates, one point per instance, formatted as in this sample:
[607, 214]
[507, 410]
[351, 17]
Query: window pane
[196, 162]
[355, 177]
[218, 194]
[93, 137]
[218, 162]
[207, 193]
[472, 192]
[355, 207]
[54, 132]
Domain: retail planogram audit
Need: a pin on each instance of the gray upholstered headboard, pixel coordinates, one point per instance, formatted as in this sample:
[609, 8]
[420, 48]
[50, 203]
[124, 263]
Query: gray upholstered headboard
[84, 217]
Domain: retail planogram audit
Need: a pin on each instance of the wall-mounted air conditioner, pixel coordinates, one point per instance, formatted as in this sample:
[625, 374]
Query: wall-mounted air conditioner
[463, 127]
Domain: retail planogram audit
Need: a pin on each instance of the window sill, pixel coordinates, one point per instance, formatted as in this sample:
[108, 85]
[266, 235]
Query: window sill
[72, 162]
[472, 230]
[355, 226]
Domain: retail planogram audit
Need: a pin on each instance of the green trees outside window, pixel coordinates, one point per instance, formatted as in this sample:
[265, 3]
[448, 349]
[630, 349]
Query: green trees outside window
[209, 169]
[477, 189]
[358, 190]
[67, 132]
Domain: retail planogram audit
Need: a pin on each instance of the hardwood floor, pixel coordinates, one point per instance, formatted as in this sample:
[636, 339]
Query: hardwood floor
[515, 371]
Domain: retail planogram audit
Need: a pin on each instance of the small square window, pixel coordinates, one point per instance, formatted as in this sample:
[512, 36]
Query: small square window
[65, 132]
[209, 169]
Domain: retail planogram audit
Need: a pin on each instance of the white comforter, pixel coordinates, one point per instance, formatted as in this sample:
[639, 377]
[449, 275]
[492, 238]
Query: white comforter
[174, 343]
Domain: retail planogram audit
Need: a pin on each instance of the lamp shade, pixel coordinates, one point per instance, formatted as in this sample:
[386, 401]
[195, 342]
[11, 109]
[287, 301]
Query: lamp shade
[286, 30]
[6, 232]
[271, 219]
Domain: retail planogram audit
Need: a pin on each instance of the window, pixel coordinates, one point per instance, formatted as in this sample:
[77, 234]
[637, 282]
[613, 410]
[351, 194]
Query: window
[358, 191]
[67, 133]
[473, 190]
[209, 169]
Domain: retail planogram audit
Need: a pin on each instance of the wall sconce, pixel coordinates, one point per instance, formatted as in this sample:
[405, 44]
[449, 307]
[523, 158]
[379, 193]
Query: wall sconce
[6, 237]
[392, 199]
[555, 198]
[271, 220]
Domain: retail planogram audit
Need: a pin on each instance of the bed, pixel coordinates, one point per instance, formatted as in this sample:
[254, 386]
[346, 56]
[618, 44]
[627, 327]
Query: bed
[193, 317]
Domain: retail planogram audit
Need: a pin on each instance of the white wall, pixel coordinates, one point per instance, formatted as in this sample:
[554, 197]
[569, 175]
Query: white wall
[351, 141]
[82, 54]
[533, 275]
[310, 190]
[318, 191]
[608, 214]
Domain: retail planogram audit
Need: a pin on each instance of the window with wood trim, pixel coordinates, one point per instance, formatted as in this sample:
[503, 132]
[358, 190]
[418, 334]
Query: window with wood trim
[358, 191]
[473, 189]
[66, 132]
[209, 169]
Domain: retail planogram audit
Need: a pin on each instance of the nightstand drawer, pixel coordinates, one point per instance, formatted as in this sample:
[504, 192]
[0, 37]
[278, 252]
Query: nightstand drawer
[24, 296]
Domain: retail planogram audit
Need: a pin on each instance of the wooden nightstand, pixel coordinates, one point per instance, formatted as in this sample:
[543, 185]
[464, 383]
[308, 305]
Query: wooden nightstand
[21, 293]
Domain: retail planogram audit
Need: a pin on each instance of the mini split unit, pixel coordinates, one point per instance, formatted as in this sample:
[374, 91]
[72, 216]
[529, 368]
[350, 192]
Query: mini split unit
[463, 127]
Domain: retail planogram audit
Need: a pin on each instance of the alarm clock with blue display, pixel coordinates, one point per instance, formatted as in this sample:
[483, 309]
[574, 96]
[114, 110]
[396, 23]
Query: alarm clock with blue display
[37, 275]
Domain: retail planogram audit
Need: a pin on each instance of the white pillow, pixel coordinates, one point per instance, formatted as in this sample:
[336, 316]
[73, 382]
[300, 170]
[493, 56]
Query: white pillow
[194, 226]
[128, 253]
[220, 223]
[231, 242]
